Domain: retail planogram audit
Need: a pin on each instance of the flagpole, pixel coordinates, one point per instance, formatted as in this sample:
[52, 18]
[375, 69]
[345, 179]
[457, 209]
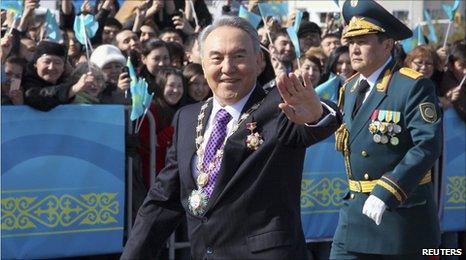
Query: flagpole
[267, 30]
[446, 35]
[83, 28]
[419, 33]
[194, 14]
[462, 81]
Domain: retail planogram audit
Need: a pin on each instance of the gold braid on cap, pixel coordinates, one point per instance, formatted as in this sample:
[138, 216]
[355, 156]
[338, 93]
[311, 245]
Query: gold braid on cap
[359, 26]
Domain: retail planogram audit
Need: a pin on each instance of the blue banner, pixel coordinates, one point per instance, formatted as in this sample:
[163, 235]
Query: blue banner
[63, 182]
[323, 187]
[453, 191]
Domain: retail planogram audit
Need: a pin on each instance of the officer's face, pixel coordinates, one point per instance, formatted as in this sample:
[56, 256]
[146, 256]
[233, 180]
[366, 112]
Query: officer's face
[230, 64]
[367, 53]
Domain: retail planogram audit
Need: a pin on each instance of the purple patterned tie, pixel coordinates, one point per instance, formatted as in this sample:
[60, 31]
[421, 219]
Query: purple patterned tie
[219, 132]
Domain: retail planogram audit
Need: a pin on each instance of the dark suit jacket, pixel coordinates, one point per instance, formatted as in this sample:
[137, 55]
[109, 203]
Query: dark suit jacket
[410, 223]
[254, 210]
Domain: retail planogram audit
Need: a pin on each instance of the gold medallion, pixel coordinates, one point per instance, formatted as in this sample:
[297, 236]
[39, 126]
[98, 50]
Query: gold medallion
[197, 202]
[377, 138]
[383, 128]
[383, 139]
[202, 179]
[372, 128]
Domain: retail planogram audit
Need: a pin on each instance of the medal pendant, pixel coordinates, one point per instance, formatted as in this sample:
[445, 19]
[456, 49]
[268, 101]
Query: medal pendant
[372, 128]
[197, 202]
[390, 128]
[202, 179]
[383, 128]
[394, 141]
[397, 129]
[383, 139]
[377, 138]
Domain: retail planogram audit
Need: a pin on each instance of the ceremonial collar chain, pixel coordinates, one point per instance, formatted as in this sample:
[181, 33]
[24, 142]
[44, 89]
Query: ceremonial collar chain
[198, 198]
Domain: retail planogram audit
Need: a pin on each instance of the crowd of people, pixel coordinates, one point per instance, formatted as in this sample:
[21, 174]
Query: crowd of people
[161, 40]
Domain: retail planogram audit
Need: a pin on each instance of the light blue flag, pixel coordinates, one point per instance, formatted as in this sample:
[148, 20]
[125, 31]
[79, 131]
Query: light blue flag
[329, 89]
[251, 17]
[51, 26]
[297, 20]
[273, 9]
[12, 5]
[432, 33]
[451, 10]
[131, 71]
[90, 27]
[416, 40]
[294, 39]
[137, 108]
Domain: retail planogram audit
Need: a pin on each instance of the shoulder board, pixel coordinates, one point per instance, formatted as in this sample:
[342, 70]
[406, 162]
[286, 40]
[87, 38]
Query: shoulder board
[410, 73]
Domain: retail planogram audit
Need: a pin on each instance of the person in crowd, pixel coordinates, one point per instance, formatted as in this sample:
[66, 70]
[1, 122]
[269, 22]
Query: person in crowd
[171, 35]
[423, 60]
[217, 207]
[44, 83]
[329, 43]
[111, 28]
[75, 54]
[318, 53]
[309, 34]
[176, 53]
[94, 83]
[169, 97]
[149, 31]
[154, 55]
[111, 61]
[338, 63]
[126, 41]
[451, 91]
[390, 139]
[12, 93]
[311, 65]
[282, 52]
[198, 89]
[192, 49]
[27, 48]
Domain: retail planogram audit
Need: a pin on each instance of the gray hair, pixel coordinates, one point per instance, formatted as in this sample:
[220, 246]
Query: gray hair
[83, 68]
[230, 21]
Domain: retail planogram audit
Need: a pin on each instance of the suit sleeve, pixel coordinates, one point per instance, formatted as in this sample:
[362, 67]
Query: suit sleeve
[426, 136]
[304, 136]
[161, 211]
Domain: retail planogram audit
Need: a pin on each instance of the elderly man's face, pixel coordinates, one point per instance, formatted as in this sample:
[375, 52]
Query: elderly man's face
[230, 64]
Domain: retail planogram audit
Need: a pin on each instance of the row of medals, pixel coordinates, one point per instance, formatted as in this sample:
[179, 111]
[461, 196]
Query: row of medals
[384, 132]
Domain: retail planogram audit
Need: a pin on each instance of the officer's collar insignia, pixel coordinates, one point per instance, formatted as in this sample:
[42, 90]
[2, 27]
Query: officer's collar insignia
[428, 112]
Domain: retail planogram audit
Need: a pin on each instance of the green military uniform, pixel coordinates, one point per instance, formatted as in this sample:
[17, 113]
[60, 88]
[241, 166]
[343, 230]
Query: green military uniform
[389, 146]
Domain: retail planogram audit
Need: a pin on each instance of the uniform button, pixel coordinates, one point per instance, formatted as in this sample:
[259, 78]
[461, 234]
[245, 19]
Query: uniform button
[204, 220]
[366, 176]
[209, 250]
[352, 196]
[364, 153]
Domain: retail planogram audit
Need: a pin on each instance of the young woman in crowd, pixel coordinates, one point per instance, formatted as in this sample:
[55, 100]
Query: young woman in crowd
[154, 55]
[198, 89]
[311, 65]
[338, 63]
[170, 95]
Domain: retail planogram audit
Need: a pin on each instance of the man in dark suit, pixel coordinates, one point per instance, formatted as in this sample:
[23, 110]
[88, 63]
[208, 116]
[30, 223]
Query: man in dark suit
[390, 139]
[236, 161]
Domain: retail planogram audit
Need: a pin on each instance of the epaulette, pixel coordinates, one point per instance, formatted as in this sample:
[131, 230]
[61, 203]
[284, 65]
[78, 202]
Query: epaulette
[410, 73]
[341, 94]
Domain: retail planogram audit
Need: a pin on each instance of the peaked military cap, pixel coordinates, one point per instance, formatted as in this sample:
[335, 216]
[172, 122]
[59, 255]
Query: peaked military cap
[368, 17]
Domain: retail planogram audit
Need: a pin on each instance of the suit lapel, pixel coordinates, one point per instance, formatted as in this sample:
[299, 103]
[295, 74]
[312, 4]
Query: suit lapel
[235, 150]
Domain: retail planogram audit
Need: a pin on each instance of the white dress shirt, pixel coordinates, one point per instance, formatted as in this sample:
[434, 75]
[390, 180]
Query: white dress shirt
[372, 79]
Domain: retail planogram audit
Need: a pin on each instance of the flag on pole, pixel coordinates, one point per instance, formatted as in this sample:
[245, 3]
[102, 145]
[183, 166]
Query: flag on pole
[52, 30]
[251, 17]
[451, 10]
[297, 20]
[15, 6]
[432, 33]
[85, 28]
[329, 89]
[274, 9]
[416, 40]
[294, 39]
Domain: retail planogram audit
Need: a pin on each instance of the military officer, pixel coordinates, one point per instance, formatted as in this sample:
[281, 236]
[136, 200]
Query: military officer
[390, 140]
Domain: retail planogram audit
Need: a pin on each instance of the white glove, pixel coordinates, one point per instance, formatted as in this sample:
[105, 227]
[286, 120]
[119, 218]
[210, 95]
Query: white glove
[374, 209]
